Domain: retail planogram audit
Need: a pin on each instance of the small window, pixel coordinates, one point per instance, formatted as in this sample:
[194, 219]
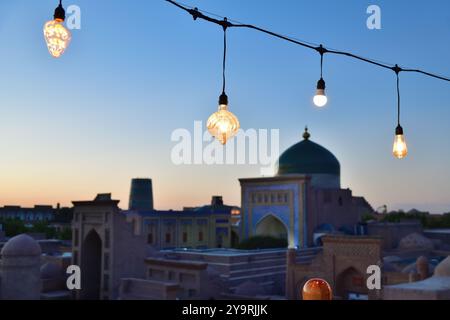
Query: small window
[272, 198]
[168, 237]
[200, 236]
[185, 237]
[259, 198]
[150, 238]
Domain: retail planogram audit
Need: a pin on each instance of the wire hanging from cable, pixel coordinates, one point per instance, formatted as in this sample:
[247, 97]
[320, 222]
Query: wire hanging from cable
[321, 65]
[398, 98]
[223, 124]
[224, 57]
[399, 150]
[320, 99]
[197, 14]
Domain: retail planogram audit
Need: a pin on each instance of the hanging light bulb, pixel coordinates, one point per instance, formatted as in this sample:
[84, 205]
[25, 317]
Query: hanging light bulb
[223, 124]
[56, 35]
[400, 149]
[320, 99]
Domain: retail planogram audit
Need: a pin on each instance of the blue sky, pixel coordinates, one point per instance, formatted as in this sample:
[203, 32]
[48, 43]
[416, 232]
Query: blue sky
[137, 70]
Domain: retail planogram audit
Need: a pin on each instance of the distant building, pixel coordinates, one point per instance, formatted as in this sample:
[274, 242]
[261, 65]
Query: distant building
[442, 235]
[141, 195]
[393, 232]
[37, 213]
[342, 262]
[436, 287]
[110, 244]
[304, 201]
[208, 226]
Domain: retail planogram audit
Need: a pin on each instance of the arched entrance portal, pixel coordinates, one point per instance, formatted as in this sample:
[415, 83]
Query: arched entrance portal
[271, 226]
[91, 261]
[350, 284]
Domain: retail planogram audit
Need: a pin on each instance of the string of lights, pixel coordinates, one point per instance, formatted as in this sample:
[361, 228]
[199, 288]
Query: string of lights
[223, 124]
[198, 14]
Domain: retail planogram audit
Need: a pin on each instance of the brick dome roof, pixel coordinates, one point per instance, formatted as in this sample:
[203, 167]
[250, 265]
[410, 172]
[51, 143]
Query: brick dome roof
[21, 245]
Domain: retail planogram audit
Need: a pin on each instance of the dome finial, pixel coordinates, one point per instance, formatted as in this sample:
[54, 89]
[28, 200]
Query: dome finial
[306, 134]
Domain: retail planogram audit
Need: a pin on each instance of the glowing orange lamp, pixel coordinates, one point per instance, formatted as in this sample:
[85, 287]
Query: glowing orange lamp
[56, 35]
[317, 289]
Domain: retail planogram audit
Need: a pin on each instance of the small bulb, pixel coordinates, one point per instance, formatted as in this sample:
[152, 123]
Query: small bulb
[320, 99]
[57, 37]
[400, 150]
[223, 124]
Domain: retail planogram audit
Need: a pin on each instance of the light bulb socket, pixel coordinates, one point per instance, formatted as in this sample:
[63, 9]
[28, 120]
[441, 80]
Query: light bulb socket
[223, 99]
[321, 84]
[320, 92]
[60, 13]
[399, 130]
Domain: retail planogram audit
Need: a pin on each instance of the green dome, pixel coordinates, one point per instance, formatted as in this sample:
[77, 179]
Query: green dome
[307, 157]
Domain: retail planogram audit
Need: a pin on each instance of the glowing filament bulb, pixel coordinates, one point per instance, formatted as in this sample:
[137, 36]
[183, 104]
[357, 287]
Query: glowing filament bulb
[57, 37]
[223, 124]
[400, 150]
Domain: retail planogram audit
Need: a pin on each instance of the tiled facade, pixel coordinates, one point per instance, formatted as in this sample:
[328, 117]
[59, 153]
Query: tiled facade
[293, 203]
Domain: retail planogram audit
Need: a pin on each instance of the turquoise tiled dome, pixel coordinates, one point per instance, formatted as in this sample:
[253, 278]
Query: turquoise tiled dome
[307, 157]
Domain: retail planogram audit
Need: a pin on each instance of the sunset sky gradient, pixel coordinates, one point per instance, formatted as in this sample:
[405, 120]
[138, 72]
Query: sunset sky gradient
[137, 70]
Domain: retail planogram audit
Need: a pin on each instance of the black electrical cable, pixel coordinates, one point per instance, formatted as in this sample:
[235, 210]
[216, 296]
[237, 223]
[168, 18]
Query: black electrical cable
[197, 14]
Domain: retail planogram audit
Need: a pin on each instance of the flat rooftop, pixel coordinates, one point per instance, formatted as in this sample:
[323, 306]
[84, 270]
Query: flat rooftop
[446, 231]
[223, 251]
